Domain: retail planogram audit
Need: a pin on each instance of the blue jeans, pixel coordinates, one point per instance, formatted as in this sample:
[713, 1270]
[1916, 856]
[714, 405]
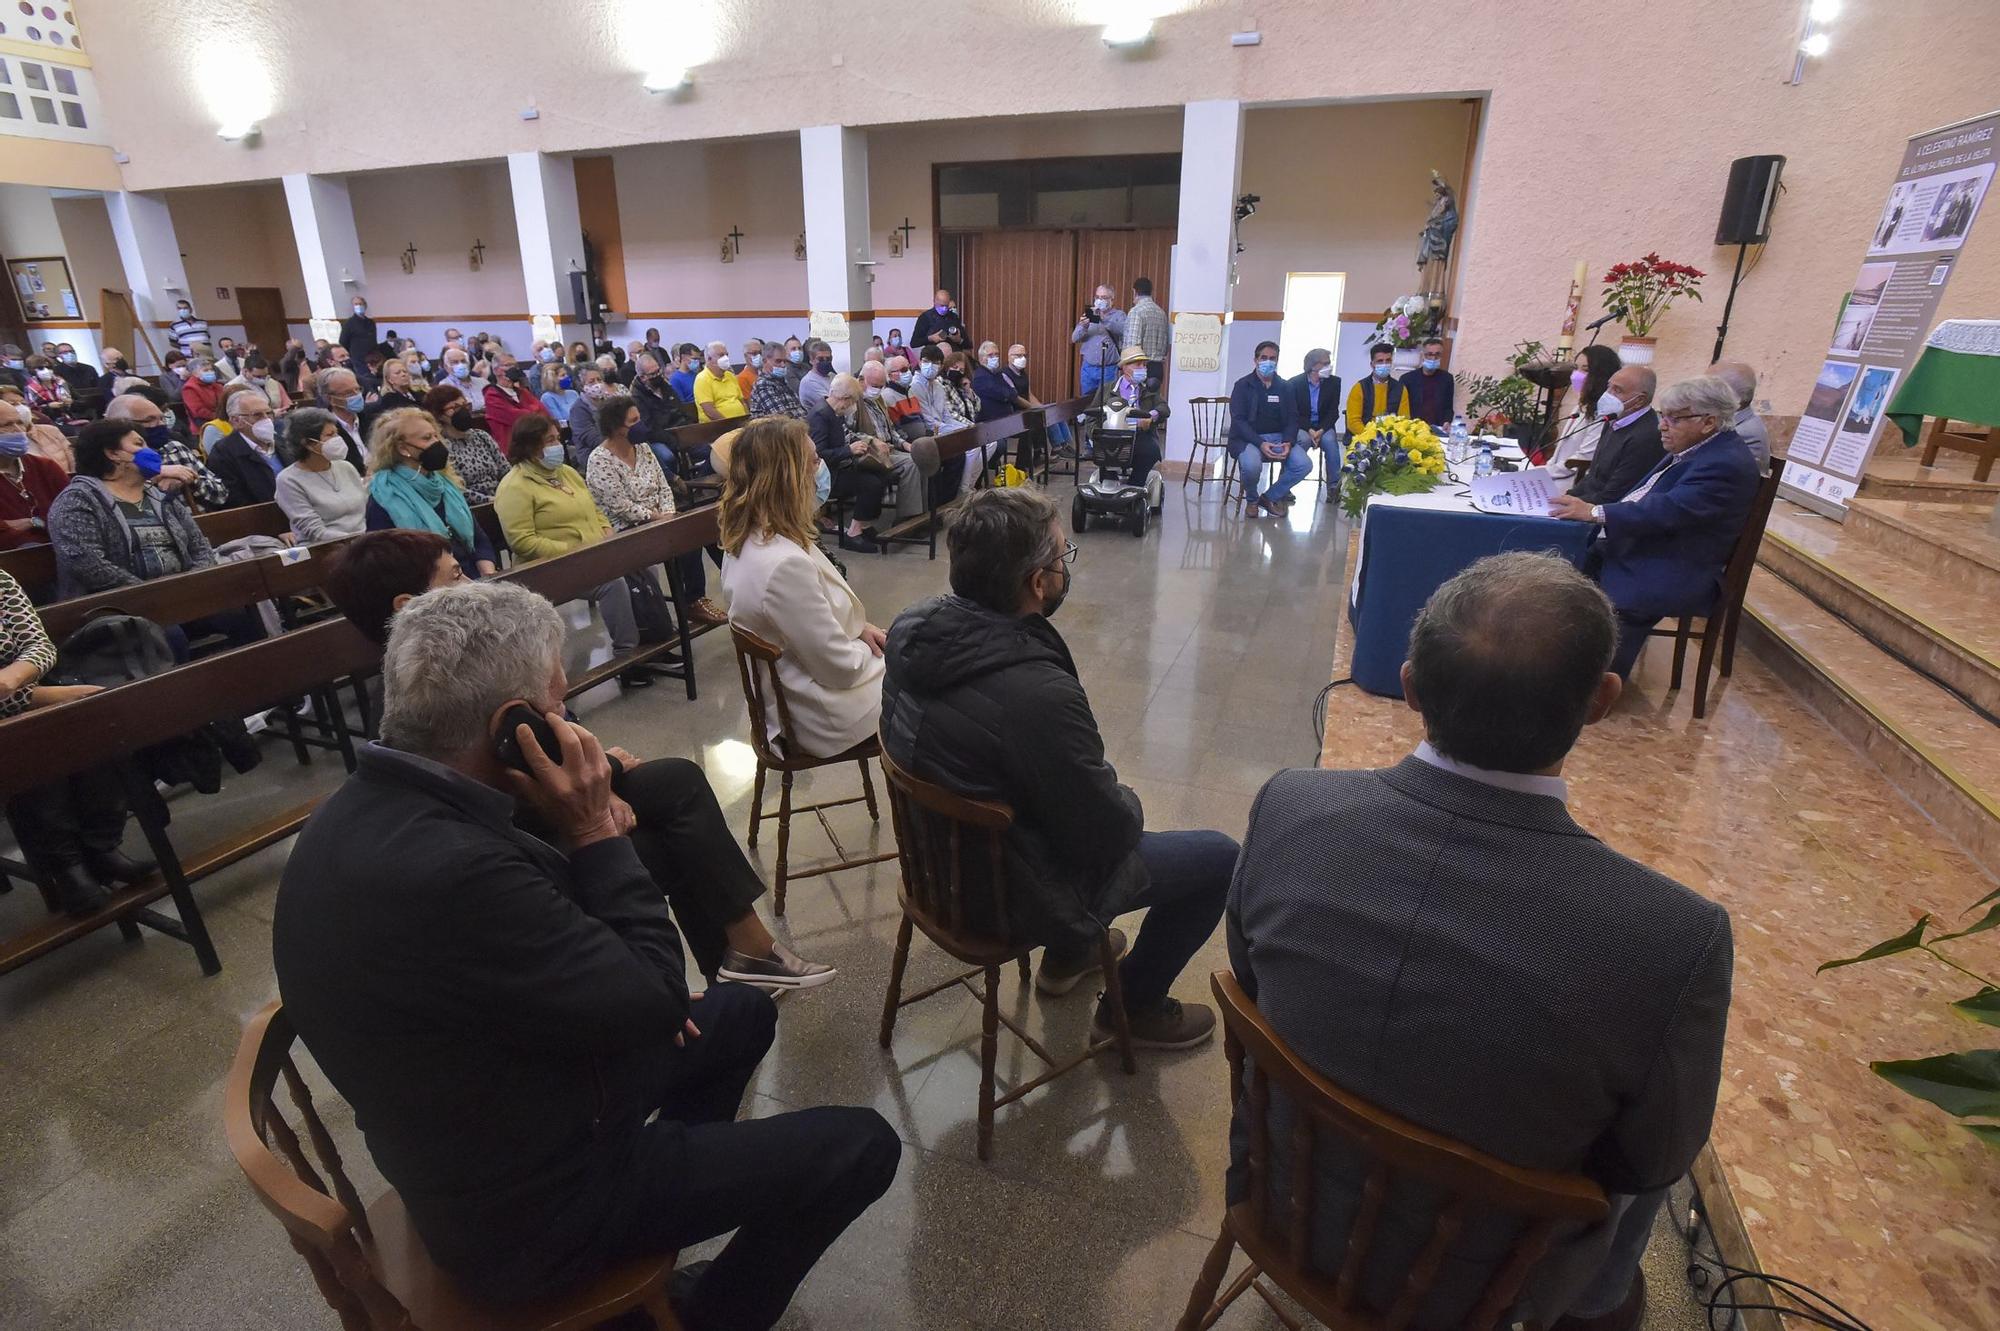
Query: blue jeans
[1190, 874]
[1607, 1289]
[1093, 375]
[1291, 470]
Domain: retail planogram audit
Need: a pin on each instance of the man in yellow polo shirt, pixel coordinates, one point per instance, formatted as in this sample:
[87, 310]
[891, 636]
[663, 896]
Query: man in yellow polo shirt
[717, 391]
[1378, 394]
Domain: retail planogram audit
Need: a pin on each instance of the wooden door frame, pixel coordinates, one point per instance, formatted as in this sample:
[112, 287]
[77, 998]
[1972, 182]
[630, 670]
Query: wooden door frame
[250, 334]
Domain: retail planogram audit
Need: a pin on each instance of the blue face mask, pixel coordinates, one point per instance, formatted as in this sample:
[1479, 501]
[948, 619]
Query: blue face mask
[993, 363]
[782, 371]
[553, 456]
[1137, 374]
[795, 356]
[1267, 368]
[1430, 362]
[13, 445]
[823, 482]
[563, 383]
[206, 376]
[931, 369]
[460, 370]
[354, 401]
[148, 461]
[1382, 371]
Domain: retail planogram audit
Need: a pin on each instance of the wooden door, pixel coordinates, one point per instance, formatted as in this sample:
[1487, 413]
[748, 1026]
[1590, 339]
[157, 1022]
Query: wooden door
[1020, 286]
[1115, 258]
[263, 310]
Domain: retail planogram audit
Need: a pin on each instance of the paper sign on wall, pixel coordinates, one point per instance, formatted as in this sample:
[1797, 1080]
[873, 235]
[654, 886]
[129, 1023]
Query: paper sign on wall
[829, 326]
[325, 328]
[1198, 342]
[544, 326]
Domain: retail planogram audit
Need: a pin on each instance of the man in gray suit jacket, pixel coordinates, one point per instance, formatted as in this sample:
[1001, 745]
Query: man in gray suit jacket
[1441, 939]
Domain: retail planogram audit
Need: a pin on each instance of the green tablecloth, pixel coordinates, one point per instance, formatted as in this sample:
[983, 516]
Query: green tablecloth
[1957, 376]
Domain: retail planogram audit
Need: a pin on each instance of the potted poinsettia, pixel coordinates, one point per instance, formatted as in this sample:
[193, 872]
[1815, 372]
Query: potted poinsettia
[1643, 289]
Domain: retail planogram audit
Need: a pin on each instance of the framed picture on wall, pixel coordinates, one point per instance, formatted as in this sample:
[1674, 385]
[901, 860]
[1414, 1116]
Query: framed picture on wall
[44, 289]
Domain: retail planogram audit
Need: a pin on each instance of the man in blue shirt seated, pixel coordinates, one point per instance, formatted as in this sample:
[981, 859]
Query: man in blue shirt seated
[1431, 387]
[1666, 543]
[1264, 427]
[1316, 399]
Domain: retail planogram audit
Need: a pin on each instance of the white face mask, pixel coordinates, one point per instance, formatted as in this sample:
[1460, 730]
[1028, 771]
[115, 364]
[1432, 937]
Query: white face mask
[871, 391]
[1020, 362]
[1610, 405]
[723, 364]
[334, 450]
[264, 431]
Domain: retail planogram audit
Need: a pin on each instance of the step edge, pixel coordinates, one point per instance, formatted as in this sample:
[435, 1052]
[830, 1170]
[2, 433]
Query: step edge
[1899, 522]
[1944, 767]
[1879, 598]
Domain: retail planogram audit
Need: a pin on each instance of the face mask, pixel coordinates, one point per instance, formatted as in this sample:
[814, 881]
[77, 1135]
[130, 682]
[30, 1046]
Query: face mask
[1100, 304]
[545, 355]
[593, 391]
[822, 482]
[895, 339]
[186, 313]
[1576, 378]
[516, 375]
[824, 365]
[931, 369]
[148, 462]
[354, 401]
[16, 363]
[942, 309]
[45, 375]
[956, 376]
[25, 413]
[903, 380]
[781, 371]
[461, 419]
[206, 376]
[871, 392]
[423, 367]
[563, 383]
[1430, 362]
[460, 370]
[13, 445]
[795, 356]
[1020, 362]
[68, 358]
[756, 360]
[157, 436]
[552, 456]
[1137, 374]
[361, 309]
[1054, 603]
[264, 431]
[1610, 404]
[435, 456]
[1267, 368]
[1382, 371]
[724, 365]
[993, 363]
[334, 450]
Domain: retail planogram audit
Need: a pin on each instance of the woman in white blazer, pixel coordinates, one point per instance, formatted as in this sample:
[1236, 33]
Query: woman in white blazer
[783, 589]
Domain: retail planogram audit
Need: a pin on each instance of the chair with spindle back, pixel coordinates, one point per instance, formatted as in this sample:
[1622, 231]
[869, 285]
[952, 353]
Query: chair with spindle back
[369, 1262]
[1277, 1237]
[1211, 433]
[757, 663]
[955, 889]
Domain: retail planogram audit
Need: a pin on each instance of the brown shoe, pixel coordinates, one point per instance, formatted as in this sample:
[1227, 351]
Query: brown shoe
[1056, 975]
[1625, 1317]
[706, 611]
[1168, 1024]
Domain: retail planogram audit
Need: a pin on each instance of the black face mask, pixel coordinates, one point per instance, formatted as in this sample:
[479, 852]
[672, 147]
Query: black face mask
[461, 419]
[824, 365]
[1051, 604]
[956, 376]
[435, 456]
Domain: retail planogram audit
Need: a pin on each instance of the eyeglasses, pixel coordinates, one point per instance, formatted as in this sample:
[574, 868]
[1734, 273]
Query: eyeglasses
[1684, 416]
[1068, 555]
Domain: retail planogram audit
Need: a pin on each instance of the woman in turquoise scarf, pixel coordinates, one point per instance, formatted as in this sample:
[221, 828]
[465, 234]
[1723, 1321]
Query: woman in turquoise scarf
[410, 485]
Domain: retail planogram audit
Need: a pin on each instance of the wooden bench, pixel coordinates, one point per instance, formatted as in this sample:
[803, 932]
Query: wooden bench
[1030, 426]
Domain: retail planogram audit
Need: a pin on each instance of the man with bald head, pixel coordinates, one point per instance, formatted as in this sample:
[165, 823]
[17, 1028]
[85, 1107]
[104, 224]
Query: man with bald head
[1630, 446]
[718, 393]
[875, 418]
[182, 467]
[1749, 425]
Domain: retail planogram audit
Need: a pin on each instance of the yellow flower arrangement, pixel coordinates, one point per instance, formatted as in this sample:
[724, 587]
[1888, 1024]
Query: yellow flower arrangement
[1391, 455]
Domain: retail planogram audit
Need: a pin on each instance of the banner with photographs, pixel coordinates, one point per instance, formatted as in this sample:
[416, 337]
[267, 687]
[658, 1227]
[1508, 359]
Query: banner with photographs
[1890, 307]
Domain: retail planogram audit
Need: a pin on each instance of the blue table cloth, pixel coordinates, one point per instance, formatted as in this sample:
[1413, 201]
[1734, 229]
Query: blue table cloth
[1408, 553]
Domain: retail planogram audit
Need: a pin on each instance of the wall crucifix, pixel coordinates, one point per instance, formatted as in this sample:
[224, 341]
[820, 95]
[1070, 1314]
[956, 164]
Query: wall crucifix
[478, 254]
[410, 257]
[732, 244]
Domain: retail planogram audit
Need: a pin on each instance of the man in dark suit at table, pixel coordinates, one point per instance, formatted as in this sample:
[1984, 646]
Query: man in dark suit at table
[1666, 543]
[1629, 448]
[1470, 959]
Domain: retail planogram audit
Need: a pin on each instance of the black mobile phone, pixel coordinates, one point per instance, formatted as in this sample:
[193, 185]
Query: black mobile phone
[507, 748]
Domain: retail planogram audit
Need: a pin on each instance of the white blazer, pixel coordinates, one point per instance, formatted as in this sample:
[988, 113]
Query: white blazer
[797, 599]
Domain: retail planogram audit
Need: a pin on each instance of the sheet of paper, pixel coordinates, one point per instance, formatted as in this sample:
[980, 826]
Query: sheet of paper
[1525, 492]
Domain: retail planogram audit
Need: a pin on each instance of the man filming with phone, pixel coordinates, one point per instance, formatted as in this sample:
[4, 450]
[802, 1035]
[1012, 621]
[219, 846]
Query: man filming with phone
[508, 1012]
[1099, 336]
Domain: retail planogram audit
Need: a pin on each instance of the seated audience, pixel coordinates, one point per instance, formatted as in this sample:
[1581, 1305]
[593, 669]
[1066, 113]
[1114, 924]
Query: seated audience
[257, 374]
[44, 440]
[550, 1101]
[228, 358]
[661, 407]
[1595, 1045]
[29, 484]
[687, 360]
[180, 466]
[1664, 546]
[1430, 388]
[1316, 400]
[560, 394]
[795, 355]
[1378, 394]
[457, 367]
[116, 367]
[857, 463]
[872, 417]
[476, 460]
[398, 389]
[592, 394]
[981, 696]
[545, 509]
[782, 588]
[631, 488]
[321, 494]
[339, 393]
[995, 392]
[509, 399]
[71, 829]
[201, 393]
[894, 343]
[412, 485]
[1627, 445]
[1749, 426]
[1132, 385]
[941, 410]
[1263, 428]
[718, 393]
[48, 393]
[819, 374]
[753, 365]
[13, 366]
[419, 366]
[774, 393]
[247, 458]
[81, 378]
[174, 375]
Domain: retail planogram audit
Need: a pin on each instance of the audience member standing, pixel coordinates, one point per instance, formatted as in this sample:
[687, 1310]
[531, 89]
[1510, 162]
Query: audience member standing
[940, 325]
[1099, 336]
[186, 330]
[1147, 326]
[1430, 388]
[357, 332]
[1264, 428]
[1596, 1044]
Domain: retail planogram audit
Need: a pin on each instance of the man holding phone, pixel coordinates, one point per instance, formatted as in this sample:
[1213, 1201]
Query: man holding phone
[507, 1014]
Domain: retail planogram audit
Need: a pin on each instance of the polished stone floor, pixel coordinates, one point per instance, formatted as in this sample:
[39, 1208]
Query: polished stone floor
[1202, 646]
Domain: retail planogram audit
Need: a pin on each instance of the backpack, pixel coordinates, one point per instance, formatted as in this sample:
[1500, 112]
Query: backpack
[652, 612]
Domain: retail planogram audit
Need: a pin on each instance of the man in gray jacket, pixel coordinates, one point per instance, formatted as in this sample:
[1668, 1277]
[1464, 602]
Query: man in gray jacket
[1441, 939]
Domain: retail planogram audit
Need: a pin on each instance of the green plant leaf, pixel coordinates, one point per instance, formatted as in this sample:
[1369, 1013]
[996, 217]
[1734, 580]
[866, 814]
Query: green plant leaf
[1983, 1007]
[1964, 1084]
[1994, 895]
[1903, 942]
[1990, 920]
[1986, 1132]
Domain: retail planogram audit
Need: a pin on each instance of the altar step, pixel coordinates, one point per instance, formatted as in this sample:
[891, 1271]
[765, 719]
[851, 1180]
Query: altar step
[1886, 628]
[1897, 475]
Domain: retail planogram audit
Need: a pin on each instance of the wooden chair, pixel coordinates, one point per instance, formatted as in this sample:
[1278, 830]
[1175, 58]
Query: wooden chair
[369, 1262]
[1721, 622]
[1276, 1235]
[1211, 433]
[757, 663]
[954, 888]
[1983, 446]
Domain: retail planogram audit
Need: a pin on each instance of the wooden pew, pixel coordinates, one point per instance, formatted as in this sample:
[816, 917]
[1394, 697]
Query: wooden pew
[1030, 426]
[34, 567]
[223, 525]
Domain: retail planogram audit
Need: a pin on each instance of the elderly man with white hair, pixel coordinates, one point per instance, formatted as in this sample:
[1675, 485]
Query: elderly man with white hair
[340, 393]
[181, 466]
[1666, 543]
[718, 393]
[1743, 378]
[477, 958]
[247, 458]
[875, 419]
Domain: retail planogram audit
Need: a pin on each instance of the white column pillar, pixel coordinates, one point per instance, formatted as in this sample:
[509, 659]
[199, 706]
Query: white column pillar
[1204, 278]
[151, 256]
[551, 234]
[840, 273]
[329, 247]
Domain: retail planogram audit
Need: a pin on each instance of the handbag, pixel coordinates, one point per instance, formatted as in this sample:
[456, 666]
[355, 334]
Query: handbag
[652, 612]
[876, 459]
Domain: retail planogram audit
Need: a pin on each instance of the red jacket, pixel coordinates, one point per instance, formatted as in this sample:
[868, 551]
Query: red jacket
[44, 480]
[502, 411]
[203, 402]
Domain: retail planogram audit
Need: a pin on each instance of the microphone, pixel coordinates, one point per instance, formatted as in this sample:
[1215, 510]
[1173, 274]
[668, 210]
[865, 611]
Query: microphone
[1617, 313]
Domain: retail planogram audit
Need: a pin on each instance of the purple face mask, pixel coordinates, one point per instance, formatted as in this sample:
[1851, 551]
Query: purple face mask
[1576, 378]
[942, 309]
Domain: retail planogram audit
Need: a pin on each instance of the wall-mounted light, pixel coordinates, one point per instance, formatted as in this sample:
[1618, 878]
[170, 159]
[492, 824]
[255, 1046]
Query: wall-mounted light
[674, 80]
[1127, 33]
[1816, 44]
[239, 133]
[1814, 39]
[1824, 11]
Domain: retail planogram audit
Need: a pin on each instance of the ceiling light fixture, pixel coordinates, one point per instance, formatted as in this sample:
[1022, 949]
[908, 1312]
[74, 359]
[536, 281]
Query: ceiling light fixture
[1816, 45]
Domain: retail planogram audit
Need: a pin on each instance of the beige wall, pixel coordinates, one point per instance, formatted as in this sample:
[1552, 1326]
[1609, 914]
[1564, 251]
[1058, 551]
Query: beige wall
[92, 249]
[53, 164]
[236, 235]
[28, 225]
[441, 211]
[677, 200]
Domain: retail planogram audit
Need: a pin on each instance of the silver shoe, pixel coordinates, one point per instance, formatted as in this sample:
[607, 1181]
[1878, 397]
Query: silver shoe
[783, 969]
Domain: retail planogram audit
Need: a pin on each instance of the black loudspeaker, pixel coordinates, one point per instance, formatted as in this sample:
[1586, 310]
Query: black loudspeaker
[584, 298]
[1746, 204]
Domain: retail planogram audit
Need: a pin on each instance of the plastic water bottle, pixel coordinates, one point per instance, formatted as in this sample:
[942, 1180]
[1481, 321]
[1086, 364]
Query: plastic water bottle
[1460, 442]
[1484, 467]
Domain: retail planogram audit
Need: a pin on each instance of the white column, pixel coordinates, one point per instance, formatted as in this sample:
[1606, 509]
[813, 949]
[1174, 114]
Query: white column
[551, 234]
[1204, 279]
[151, 256]
[840, 274]
[329, 247]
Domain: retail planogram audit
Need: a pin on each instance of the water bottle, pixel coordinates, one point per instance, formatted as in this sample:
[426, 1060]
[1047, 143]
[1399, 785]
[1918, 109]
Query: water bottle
[1484, 467]
[1460, 441]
